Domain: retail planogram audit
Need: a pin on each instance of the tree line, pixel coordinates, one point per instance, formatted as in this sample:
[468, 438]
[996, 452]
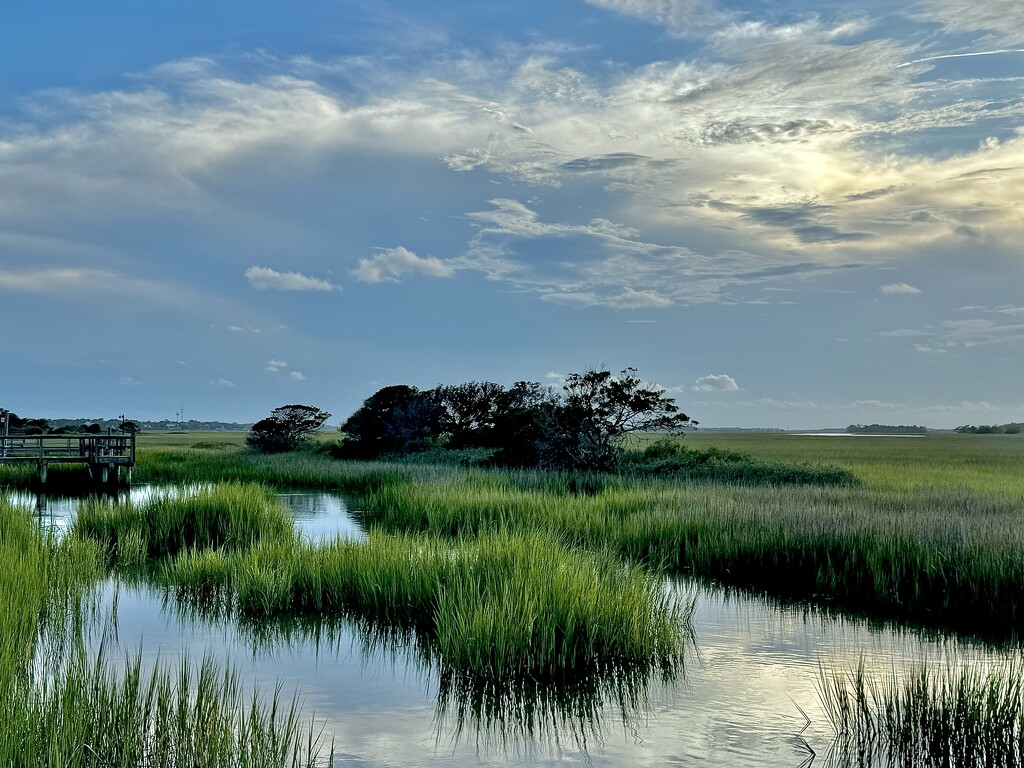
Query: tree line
[1014, 428]
[582, 426]
[16, 425]
[885, 429]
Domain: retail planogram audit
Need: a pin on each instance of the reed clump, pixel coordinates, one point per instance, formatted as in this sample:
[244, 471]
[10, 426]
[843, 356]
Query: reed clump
[223, 516]
[961, 714]
[503, 604]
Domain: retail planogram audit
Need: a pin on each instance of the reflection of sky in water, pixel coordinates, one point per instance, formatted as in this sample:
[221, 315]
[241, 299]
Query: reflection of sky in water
[318, 516]
[737, 706]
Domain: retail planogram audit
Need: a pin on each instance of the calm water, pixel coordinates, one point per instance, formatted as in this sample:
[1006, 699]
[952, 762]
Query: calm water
[738, 704]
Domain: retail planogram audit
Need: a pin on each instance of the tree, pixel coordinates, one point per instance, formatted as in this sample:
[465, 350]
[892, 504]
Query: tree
[518, 433]
[468, 413]
[129, 426]
[398, 419]
[598, 409]
[286, 428]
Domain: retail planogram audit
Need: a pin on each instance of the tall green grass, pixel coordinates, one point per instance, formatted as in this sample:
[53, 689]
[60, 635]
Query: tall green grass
[59, 708]
[933, 549]
[958, 715]
[227, 515]
[501, 605]
[940, 556]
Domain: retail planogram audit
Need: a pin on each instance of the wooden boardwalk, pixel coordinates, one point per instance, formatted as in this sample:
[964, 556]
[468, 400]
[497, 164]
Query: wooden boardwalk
[104, 455]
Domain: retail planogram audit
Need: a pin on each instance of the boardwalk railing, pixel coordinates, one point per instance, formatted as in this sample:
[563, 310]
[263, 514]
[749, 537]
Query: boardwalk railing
[99, 452]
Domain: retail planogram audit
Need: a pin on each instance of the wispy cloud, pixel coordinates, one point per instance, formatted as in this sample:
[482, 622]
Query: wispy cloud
[390, 264]
[267, 279]
[222, 383]
[276, 366]
[297, 376]
[895, 289]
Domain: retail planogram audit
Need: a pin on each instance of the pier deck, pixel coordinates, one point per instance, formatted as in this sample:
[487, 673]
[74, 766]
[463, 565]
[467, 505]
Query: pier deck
[100, 453]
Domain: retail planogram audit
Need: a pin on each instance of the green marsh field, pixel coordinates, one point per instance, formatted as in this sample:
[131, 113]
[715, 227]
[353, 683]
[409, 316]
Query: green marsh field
[534, 604]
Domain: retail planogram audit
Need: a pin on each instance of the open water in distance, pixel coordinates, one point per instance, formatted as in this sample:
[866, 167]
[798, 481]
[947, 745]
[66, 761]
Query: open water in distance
[739, 703]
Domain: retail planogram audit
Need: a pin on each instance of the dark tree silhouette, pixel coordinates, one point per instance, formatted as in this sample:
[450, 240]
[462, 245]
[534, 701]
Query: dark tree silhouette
[394, 420]
[598, 409]
[286, 428]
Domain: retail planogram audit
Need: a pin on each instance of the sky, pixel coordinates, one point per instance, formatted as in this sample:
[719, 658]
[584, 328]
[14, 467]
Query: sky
[786, 213]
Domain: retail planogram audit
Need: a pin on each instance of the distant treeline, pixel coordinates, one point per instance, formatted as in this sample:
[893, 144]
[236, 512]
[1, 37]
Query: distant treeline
[1014, 428]
[27, 426]
[885, 429]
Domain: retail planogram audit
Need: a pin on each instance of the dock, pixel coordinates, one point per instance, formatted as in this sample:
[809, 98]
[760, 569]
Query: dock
[103, 455]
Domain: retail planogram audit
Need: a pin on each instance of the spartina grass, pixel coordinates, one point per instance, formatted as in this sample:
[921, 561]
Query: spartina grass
[60, 708]
[223, 516]
[502, 604]
[958, 714]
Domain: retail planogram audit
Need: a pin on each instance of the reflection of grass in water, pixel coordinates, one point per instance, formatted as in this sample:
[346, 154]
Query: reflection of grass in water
[563, 710]
[61, 708]
[962, 714]
[503, 713]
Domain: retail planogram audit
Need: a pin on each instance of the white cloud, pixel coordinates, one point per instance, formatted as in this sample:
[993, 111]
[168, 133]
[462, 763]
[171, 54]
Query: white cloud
[267, 279]
[221, 382]
[720, 382]
[633, 299]
[275, 366]
[297, 375]
[391, 263]
[128, 381]
[891, 289]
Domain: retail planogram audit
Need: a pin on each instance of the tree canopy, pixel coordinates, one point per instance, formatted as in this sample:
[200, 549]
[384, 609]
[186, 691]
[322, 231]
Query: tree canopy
[598, 409]
[527, 424]
[286, 428]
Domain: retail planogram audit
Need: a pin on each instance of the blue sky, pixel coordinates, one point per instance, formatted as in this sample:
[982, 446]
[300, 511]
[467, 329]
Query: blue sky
[791, 214]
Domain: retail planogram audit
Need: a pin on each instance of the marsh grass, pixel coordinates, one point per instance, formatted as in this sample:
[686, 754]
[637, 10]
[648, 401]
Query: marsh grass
[503, 604]
[509, 712]
[223, 516]
[935, 538]
[961, 714]
[59, 708]
[936, 555]
[91, 715]
[673, 459]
